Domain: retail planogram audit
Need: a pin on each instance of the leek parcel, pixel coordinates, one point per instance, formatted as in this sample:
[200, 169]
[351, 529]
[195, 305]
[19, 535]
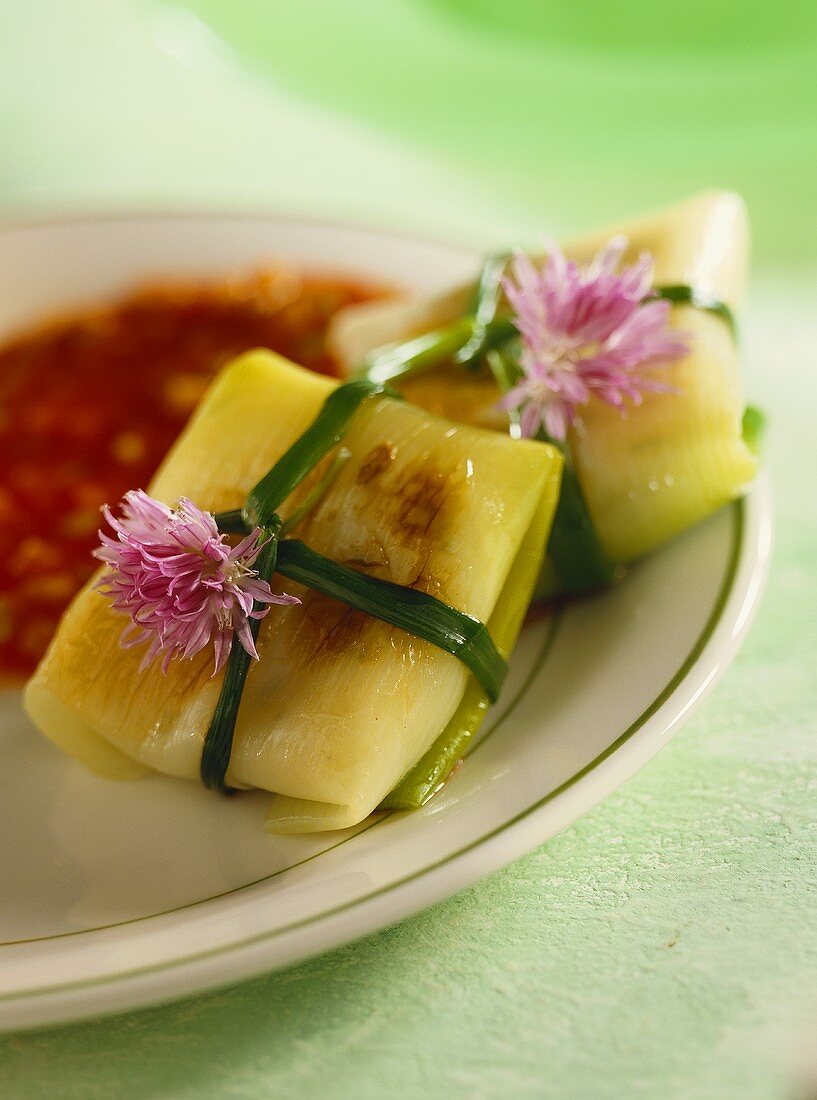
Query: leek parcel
[341, 705]
[678, 456]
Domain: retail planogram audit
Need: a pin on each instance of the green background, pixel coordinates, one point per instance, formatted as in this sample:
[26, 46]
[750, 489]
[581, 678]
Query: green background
[665, 945]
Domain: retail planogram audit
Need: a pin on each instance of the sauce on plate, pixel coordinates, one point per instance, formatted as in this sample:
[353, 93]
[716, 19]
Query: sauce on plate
[90, 404]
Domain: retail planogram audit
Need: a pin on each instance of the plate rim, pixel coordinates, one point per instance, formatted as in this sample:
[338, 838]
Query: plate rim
[732, 613]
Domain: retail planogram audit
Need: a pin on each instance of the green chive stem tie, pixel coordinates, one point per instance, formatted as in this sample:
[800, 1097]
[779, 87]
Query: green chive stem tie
[325, 432]
[681, 294]
[418, 613]
[218, 741]
[466, 341]
[433, 349]
[486, 307]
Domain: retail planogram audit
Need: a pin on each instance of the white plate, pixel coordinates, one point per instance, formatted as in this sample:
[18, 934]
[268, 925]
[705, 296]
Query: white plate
[118, 895]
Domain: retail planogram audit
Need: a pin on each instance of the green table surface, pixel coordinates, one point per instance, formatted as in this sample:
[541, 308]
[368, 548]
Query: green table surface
[666, 944]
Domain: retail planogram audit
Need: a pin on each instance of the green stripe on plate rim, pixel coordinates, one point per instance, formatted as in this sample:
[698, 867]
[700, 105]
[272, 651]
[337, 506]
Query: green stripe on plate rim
[738, 532]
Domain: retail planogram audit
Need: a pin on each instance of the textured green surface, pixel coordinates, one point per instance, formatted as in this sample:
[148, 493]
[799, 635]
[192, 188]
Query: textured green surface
[666, 945]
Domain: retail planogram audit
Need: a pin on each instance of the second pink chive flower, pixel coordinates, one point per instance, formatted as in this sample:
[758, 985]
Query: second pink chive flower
[584, 332]
[180, 581]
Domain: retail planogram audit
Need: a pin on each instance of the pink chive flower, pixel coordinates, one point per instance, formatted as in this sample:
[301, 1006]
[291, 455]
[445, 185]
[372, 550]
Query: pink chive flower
[180, 581]
[593, 331]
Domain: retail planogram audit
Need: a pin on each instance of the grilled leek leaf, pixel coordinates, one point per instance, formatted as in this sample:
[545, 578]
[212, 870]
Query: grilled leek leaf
[341, 705]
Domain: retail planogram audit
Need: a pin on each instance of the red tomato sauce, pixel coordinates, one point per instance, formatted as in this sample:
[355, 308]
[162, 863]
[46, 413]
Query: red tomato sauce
[90, 404]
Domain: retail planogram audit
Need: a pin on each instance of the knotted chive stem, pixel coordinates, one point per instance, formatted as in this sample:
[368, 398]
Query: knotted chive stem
[218, 741]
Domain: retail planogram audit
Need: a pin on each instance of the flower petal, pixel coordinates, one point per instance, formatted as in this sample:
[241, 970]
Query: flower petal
[592, 331]
[179, 580]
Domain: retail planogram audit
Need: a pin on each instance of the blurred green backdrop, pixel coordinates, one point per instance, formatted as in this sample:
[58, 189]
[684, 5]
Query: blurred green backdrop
[665, 945]
[589, 109]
